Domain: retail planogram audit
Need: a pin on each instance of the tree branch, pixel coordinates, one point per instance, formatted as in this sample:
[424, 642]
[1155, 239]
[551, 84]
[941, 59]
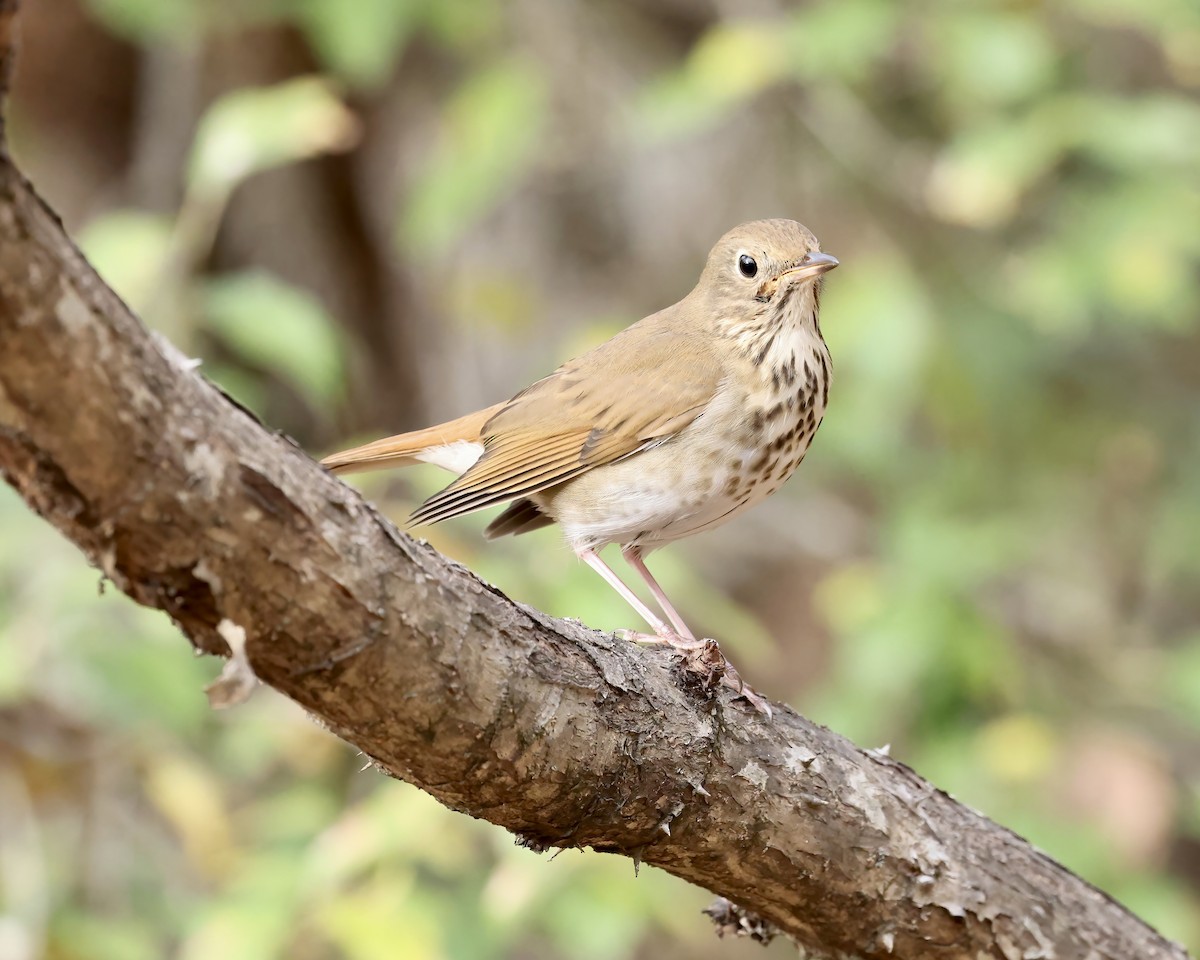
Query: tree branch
[564, 736]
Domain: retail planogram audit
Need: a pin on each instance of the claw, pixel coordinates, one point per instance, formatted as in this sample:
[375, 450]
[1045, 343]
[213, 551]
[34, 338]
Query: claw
[703, 657]
[710, 660]
[734, 680]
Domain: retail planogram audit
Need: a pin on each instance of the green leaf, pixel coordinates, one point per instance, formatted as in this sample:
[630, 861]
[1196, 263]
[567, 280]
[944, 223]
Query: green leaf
[129, 671]
[731, 63]
[981, 177]
[262, 127]
[274, 325]
[129, 249]
[1133, 134]
[490, 130]
[1181, 679]
[468, 27]
[843, 39]
[986, 57]
[1168, 16]
[881, 340]
[362, 47]
[1126, 256]
[105, 937]
[386, 919]
[252, 917]
[148, 21]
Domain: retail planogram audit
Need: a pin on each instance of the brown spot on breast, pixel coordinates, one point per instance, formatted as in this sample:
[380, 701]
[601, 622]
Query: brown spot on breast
[783, 441]
[824, 377]
[764, 350]
[789, 371]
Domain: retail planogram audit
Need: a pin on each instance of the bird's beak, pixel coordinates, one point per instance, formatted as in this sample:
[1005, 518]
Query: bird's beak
[813, 265]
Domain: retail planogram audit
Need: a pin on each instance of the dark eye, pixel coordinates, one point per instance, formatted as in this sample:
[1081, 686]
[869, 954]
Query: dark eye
[747, 265]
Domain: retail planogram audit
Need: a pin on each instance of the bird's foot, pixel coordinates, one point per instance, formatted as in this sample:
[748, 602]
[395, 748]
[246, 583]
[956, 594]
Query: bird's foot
[704, 658]
[732, 679]
[666, 639]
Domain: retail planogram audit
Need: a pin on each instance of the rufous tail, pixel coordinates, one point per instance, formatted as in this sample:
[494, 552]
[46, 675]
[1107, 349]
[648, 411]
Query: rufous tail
[405, 449]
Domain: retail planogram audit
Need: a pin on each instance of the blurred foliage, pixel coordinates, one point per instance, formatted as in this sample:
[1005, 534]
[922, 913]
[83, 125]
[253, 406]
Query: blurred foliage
[988, 561]
[248, 131]
[491, 129]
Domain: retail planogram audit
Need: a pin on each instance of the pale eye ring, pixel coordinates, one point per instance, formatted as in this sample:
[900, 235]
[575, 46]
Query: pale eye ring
[747, 266]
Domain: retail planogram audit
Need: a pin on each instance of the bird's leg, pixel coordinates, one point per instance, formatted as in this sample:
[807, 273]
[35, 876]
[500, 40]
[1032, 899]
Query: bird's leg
[589, 556]
[705, 654]
[633, 556]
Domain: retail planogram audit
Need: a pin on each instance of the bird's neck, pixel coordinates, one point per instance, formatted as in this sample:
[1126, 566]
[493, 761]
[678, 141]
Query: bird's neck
[778, 330]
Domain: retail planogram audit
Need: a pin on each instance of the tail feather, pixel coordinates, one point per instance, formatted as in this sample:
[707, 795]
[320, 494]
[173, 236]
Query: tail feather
[452, 445]
[521, 516]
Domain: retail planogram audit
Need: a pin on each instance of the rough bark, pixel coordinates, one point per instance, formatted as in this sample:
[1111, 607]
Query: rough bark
[564, 736]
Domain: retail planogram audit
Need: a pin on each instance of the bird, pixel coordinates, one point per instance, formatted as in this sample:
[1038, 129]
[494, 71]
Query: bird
[672, 427]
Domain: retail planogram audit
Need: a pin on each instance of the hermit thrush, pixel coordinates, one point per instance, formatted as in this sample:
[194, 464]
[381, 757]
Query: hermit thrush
[672, 427]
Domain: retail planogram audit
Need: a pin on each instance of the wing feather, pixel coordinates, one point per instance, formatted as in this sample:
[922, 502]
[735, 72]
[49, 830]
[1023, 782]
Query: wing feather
[601, 407]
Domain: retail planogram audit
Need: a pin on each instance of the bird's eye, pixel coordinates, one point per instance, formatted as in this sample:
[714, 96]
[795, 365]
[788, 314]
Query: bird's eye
[747, 265]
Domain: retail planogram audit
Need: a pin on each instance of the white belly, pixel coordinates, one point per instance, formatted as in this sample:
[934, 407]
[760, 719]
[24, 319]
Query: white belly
[693, 482]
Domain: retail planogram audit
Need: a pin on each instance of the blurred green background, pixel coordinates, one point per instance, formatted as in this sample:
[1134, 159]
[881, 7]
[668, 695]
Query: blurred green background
[364, 216]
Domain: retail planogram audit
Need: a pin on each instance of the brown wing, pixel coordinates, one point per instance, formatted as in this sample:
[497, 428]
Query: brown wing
[596, 409]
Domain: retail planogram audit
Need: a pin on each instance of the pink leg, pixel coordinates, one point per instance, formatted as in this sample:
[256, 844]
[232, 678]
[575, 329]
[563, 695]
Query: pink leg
[681, 640]
[592, 559]
[633, 556]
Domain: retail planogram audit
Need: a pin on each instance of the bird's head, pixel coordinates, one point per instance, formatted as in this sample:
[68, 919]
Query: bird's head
[759, 268]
